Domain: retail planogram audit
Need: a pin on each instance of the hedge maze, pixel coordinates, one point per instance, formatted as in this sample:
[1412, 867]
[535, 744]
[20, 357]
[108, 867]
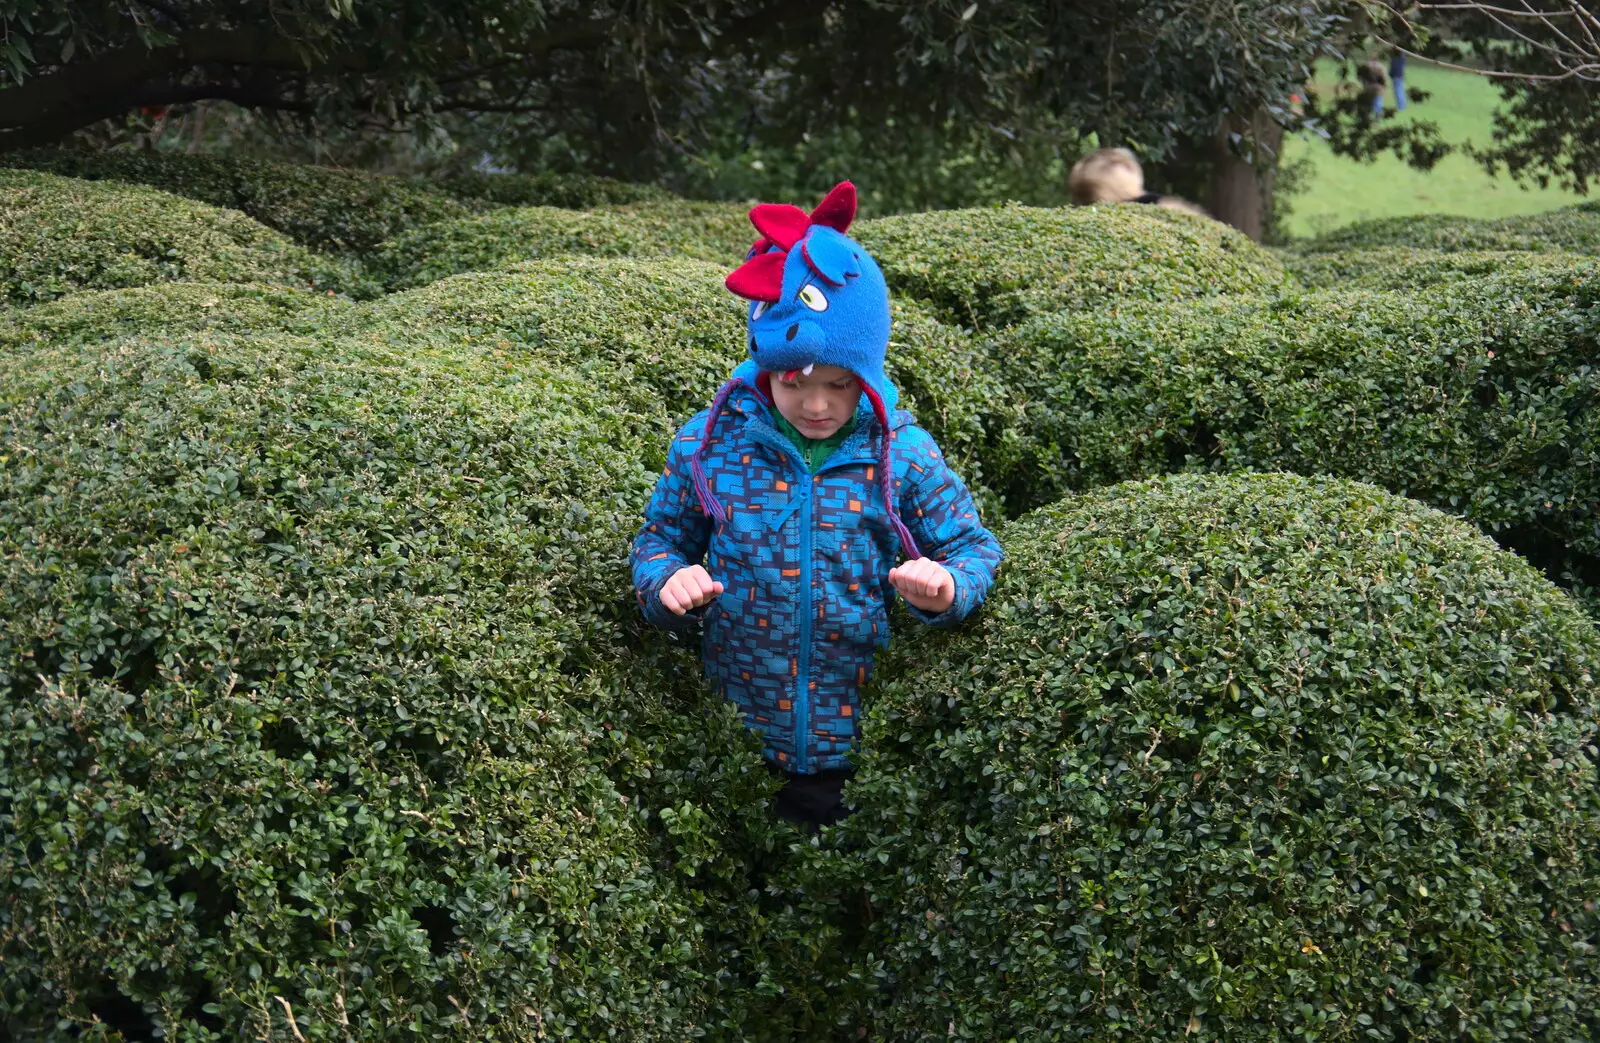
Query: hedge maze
[326, 714]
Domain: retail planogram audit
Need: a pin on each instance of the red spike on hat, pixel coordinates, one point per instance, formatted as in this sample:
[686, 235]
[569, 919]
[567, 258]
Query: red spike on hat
[780, 222]
[758, 279]
[837, 209]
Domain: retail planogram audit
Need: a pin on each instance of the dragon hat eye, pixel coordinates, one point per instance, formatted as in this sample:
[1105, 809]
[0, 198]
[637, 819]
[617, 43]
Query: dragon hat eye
[812, 298]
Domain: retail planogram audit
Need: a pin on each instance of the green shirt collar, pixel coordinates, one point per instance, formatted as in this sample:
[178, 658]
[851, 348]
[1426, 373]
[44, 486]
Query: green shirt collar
[815, 451]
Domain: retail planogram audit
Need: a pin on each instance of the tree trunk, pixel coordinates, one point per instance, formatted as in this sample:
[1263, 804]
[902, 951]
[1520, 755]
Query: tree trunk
[1244, 166]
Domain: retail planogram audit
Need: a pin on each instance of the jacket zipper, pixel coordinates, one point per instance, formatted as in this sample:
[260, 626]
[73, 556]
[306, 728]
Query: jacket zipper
[802, 702]
[802, 698]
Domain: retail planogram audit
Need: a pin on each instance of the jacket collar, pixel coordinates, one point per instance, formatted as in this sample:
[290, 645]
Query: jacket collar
[749, 403]
[860, 446]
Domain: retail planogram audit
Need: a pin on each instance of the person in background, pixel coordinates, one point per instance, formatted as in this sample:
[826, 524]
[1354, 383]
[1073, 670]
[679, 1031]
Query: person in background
[1113, 175]
[1397, 76]
[1374, 78]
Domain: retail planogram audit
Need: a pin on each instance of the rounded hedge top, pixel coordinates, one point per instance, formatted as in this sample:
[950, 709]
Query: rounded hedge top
[58, 235]
[990, 267]
[316, 680]
[658, 335]
[1575, 229]
[706, 231]
[1481, 398]
[168, 309]
[573, 191]
[1243, 757]
[1415, 267]
[329, 209]
[318, 207]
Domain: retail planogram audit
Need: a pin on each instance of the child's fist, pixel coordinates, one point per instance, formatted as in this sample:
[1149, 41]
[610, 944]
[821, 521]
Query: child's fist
[689, 588]
[925, 583]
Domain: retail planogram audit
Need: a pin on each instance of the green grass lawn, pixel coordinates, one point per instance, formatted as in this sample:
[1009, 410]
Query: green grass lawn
[1342, 190]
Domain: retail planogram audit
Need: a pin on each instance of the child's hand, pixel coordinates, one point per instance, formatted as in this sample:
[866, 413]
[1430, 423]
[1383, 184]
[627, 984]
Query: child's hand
[689, 588]
[925, 583]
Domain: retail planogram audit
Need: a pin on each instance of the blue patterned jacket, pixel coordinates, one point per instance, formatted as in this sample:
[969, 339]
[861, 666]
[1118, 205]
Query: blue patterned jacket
[805, 561]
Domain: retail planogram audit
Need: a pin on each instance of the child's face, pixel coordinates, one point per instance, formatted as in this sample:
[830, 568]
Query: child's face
[817, 403]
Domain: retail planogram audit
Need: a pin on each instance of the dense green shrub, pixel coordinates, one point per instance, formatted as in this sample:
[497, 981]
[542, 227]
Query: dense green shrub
[1251, 757]
[657, 336]
[167, 309]
[58, 235]
[716, 232]
[705, 231]
[319, 679]
[1413, 268]
[661, 335]
[572, 191]
[990, 267]
[325, 209]
[1483, 400]
[1574, 229]
[948, 382]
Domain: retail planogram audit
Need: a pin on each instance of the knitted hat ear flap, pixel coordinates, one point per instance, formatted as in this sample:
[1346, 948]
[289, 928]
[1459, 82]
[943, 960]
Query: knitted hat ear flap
[886, 472]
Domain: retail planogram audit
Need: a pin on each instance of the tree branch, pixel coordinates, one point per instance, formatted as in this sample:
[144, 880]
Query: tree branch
[46, 130]
[83, 85]
[1581, 62]
[774, 16]
[176, 17]
[49, 107]
[1582, 72]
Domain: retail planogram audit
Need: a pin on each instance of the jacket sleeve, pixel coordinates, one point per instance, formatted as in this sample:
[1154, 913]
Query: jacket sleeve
[938, 509]
[675, 533]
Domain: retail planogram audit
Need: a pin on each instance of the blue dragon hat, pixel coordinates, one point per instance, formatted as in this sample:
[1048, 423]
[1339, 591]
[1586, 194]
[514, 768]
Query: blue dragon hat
[816, 298]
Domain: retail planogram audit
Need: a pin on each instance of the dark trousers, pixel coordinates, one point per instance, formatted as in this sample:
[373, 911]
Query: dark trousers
[813, 801]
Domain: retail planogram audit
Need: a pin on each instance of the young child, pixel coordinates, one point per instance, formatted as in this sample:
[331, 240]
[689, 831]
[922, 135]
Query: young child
[786, 505]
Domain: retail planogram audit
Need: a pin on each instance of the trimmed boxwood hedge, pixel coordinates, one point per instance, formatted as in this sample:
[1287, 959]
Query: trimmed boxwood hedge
[1575, 229]
[1248, 757]
[706, 231]
[59, 235]
[716, 232]
[319, 678]
[656, 335]
[1482, 399]
[318, 207]
[660, 335]
[572, 191]
[1411, 268]
[168, 309]
[984, 268]
[947, 380]
[331, 209]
